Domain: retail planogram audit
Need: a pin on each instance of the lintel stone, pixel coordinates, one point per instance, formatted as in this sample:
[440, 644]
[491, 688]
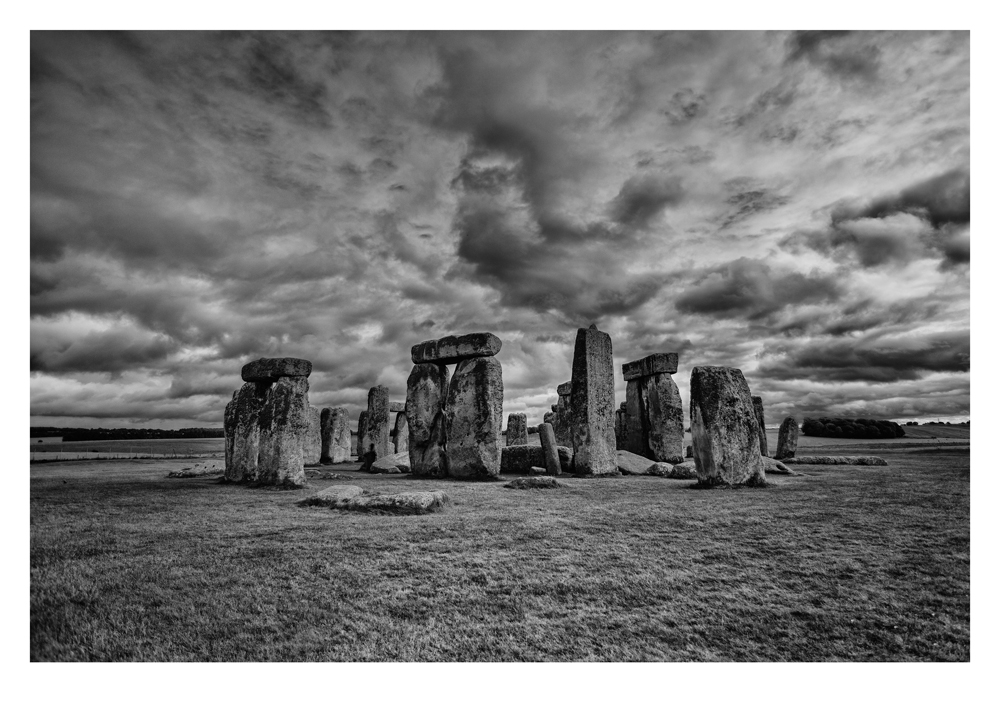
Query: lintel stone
[455, 348]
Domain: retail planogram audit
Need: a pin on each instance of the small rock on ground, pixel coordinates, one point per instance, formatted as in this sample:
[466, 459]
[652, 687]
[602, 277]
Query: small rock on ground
[534, 483]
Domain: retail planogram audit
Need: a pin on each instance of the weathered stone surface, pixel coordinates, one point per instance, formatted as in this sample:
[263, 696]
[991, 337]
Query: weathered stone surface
[312, 442]
[592, 404]
[360, 445]
[473, 418]
[284, 420]
[207, 469]
[517, 429]
[636, 425]
[246, 442]
[335, 436]
[401, 439]
[550, 451]
[835, 460]
[631, 464]
[534, 483]
[657, 363]
[561, 421]
[776, 467]
[788, 439]
[229, 429]
[620, 427]
[653, 423]
[565, 389]
[660, 470]
[455, 348]
[332, 496]
[377, 422]
[682, 471]
[758, 411]
[518, 460]
[724, 428]
[426, 392]
[270, 369]
[396, 407]
[398, 462]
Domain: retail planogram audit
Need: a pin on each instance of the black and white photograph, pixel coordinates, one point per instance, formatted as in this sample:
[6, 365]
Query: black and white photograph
[500, 345]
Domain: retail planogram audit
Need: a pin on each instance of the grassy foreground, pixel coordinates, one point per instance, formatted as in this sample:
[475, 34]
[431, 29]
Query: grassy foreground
[844, 563]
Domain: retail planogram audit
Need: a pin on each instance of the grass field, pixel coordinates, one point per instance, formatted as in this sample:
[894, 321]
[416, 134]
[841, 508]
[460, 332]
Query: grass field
[843, 563]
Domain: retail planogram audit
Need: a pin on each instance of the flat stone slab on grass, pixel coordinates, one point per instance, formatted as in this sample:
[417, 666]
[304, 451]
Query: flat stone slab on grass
[269, 369]
[835, 460]
[392, 464]
[196, 471]
[632, 463]
[545, 482]
[353, 498]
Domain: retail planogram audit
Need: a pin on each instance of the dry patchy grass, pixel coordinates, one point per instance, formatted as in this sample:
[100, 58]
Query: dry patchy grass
[844, 563]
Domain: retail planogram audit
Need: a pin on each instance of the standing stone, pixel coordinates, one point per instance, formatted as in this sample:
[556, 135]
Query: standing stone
[636, 420]
[401, 443]
[592, 403]
[548, 438]
[474, 414]
[335, 435]
[561, 425]
[517, 429]
[377, 422]
[426, 391]
[229, 430]
[788, 439]
[620, 427]
[362, 444]
[724, 429]
[758, 410]
[284, 420]
[246, 441]
[312, 441]
[665, 418]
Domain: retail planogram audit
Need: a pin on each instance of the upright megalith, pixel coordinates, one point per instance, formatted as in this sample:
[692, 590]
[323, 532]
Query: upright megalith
[788, 439]
[362, 444]
[653, 423]
[401, 438]
[377, 422]
[473, 418]
[758, 411]
[592, 404]
[455, 348]
[284, 420]
[229, 429]
[550, 449]
[517, 429]
[243, 464]
[312, 442]
[561, 418]
[335, 436]
[426, 393]
[724, 429]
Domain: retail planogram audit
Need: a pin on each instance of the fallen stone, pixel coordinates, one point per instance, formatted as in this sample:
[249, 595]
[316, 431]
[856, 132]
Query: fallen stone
[535, 470]
[196, 471]
[776, 467]
[455, 348]
[270, 369]
[400, 503]
[518, 460]
[835, 460]
[426, 392]
[398, 462]
[758, 410]
[657, 363]
[332, 496]
[284, 420]
[724, 428]
[550, 451]
[335, 436]
[473, 417]
[592, 404]
[517, 429]
[679, 471]
[664, 470]
[534, 483]
[788, 439]
[631, 464]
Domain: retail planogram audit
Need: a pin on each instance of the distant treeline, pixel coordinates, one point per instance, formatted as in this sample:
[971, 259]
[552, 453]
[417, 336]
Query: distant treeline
[123, 434]
[852, 428]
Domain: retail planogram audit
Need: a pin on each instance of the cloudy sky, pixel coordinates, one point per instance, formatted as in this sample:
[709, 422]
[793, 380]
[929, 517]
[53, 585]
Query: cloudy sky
[792, 204]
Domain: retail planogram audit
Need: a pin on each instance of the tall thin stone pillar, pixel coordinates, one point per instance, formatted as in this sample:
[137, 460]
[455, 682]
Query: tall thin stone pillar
[335, 434]
[592, 401]
[758, 410]
[426, 392]
[788, 439]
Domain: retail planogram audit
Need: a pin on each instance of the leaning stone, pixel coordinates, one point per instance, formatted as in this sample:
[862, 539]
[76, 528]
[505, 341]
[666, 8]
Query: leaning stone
[455, 348]
[335, 436]
[249, 400]
[377, 422]
[534, 483]
[550, 451]
[401, 441]
[517, 429]
[400, 462]
[284, 419]
[426, 392]
[312, 442]
[788, 439]
[835, 460]
[473, 415]
[630, 463]
[334, 496]
[396, 407]
[657, 363]
[758, 410]
[400, 503]
[724, 428]
[592, 403]
[270, 369]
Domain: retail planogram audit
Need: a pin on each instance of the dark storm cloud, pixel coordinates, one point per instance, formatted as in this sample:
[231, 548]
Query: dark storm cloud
[840, 53]
[643, 197]
[945, 198]
[100, 351]
[752, 289]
